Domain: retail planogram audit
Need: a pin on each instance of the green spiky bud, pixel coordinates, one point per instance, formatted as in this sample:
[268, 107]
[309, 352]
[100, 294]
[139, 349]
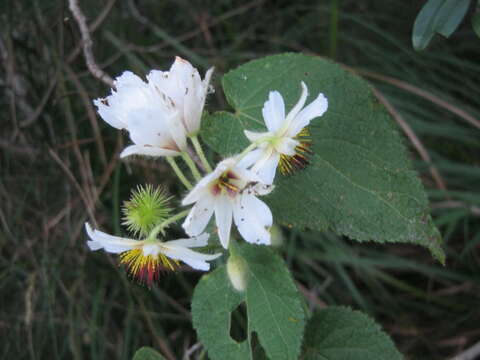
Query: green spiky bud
[147, 207]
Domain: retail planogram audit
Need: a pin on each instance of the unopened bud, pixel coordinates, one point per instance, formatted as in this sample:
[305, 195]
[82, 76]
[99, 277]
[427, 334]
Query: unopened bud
[276, 236]
[237, 270]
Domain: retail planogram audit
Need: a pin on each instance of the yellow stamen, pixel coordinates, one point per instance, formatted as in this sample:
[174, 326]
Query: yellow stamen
[289, 164]
[146, 269]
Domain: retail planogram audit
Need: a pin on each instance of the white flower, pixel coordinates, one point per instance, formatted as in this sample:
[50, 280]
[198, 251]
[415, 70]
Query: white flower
[146, 258]
[183, 85]
[231, 192]
[159, 113]
[284, 141]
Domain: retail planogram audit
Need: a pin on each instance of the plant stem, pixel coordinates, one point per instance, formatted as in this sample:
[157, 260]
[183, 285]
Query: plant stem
[191, 165]
[200, 153]
[167, 222]
[179, 172]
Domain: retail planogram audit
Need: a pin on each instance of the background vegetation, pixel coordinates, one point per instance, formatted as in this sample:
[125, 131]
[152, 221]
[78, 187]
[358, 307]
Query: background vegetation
[59, 166]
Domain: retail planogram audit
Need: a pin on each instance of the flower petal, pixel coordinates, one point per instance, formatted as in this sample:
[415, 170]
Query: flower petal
[251, 158]
[266, 167]
[223, 218]
[254, 136]
[286, 146]
[195, 241]
[109, 115]
[262, 189]
[177, 130]
[274, 111]
[253, 219]
[110, 243]
[192, 258]
[298, 106]
[201, 188]
[315, 109]
[128, 80]
[147, 150]
[199, 216]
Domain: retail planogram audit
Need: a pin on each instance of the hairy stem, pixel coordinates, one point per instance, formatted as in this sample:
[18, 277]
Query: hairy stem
[191, 164]
[200, 153]
[157, 229]
[179, 172]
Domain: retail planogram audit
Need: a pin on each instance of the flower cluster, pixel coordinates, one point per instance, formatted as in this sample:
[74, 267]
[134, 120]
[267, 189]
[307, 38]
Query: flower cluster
[161, 115]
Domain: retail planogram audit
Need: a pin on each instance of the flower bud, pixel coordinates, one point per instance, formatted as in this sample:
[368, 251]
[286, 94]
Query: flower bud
[147, 207]
[276, 236]
[237, 270]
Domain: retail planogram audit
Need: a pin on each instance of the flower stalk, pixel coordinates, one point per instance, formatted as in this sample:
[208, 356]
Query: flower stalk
[159, 228]
[191, 165]
[200, 153]
[179, 172]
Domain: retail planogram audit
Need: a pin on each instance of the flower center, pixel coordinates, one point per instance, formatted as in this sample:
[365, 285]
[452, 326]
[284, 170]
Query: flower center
[146, 268]
[227, 183]
[289, 164]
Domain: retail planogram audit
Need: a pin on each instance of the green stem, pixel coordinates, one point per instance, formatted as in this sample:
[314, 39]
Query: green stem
[157, 229]
[191, 165]
[179, 172]
[200, 153]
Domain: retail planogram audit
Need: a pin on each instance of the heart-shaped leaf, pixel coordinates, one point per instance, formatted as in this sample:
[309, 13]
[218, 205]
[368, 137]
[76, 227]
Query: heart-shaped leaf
[274, 308]
[360, 182]
[342, 334]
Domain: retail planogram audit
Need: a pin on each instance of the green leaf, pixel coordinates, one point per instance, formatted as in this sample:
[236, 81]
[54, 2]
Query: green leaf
[360, 182]
[476, 23]
[342, 334]
[147, 353]
[437, 16]
[274, 308]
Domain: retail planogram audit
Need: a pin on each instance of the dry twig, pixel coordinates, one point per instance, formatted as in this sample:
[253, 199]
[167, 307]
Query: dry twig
[413, 138]
[424, 94]
[87, 44]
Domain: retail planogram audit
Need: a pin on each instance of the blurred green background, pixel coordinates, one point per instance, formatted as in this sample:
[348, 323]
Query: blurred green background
[59, 167]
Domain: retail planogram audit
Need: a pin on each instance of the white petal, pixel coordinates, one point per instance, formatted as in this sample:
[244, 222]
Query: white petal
[177, 131]
[262, 189]
[195, 241]
[150, 126]
[251, 158]
[202, 186]
[254, 136]
[147, 150]
[110, 243]
[192, 258]
[128, 79]
[253, 219]
[315, 109]
[245, 176]
[299, 105]
[108, 114]
[200, 189]
[223, 218]
[274, 111]
[267, 168]
[199, 216]
[196, 93]
[286, 145]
